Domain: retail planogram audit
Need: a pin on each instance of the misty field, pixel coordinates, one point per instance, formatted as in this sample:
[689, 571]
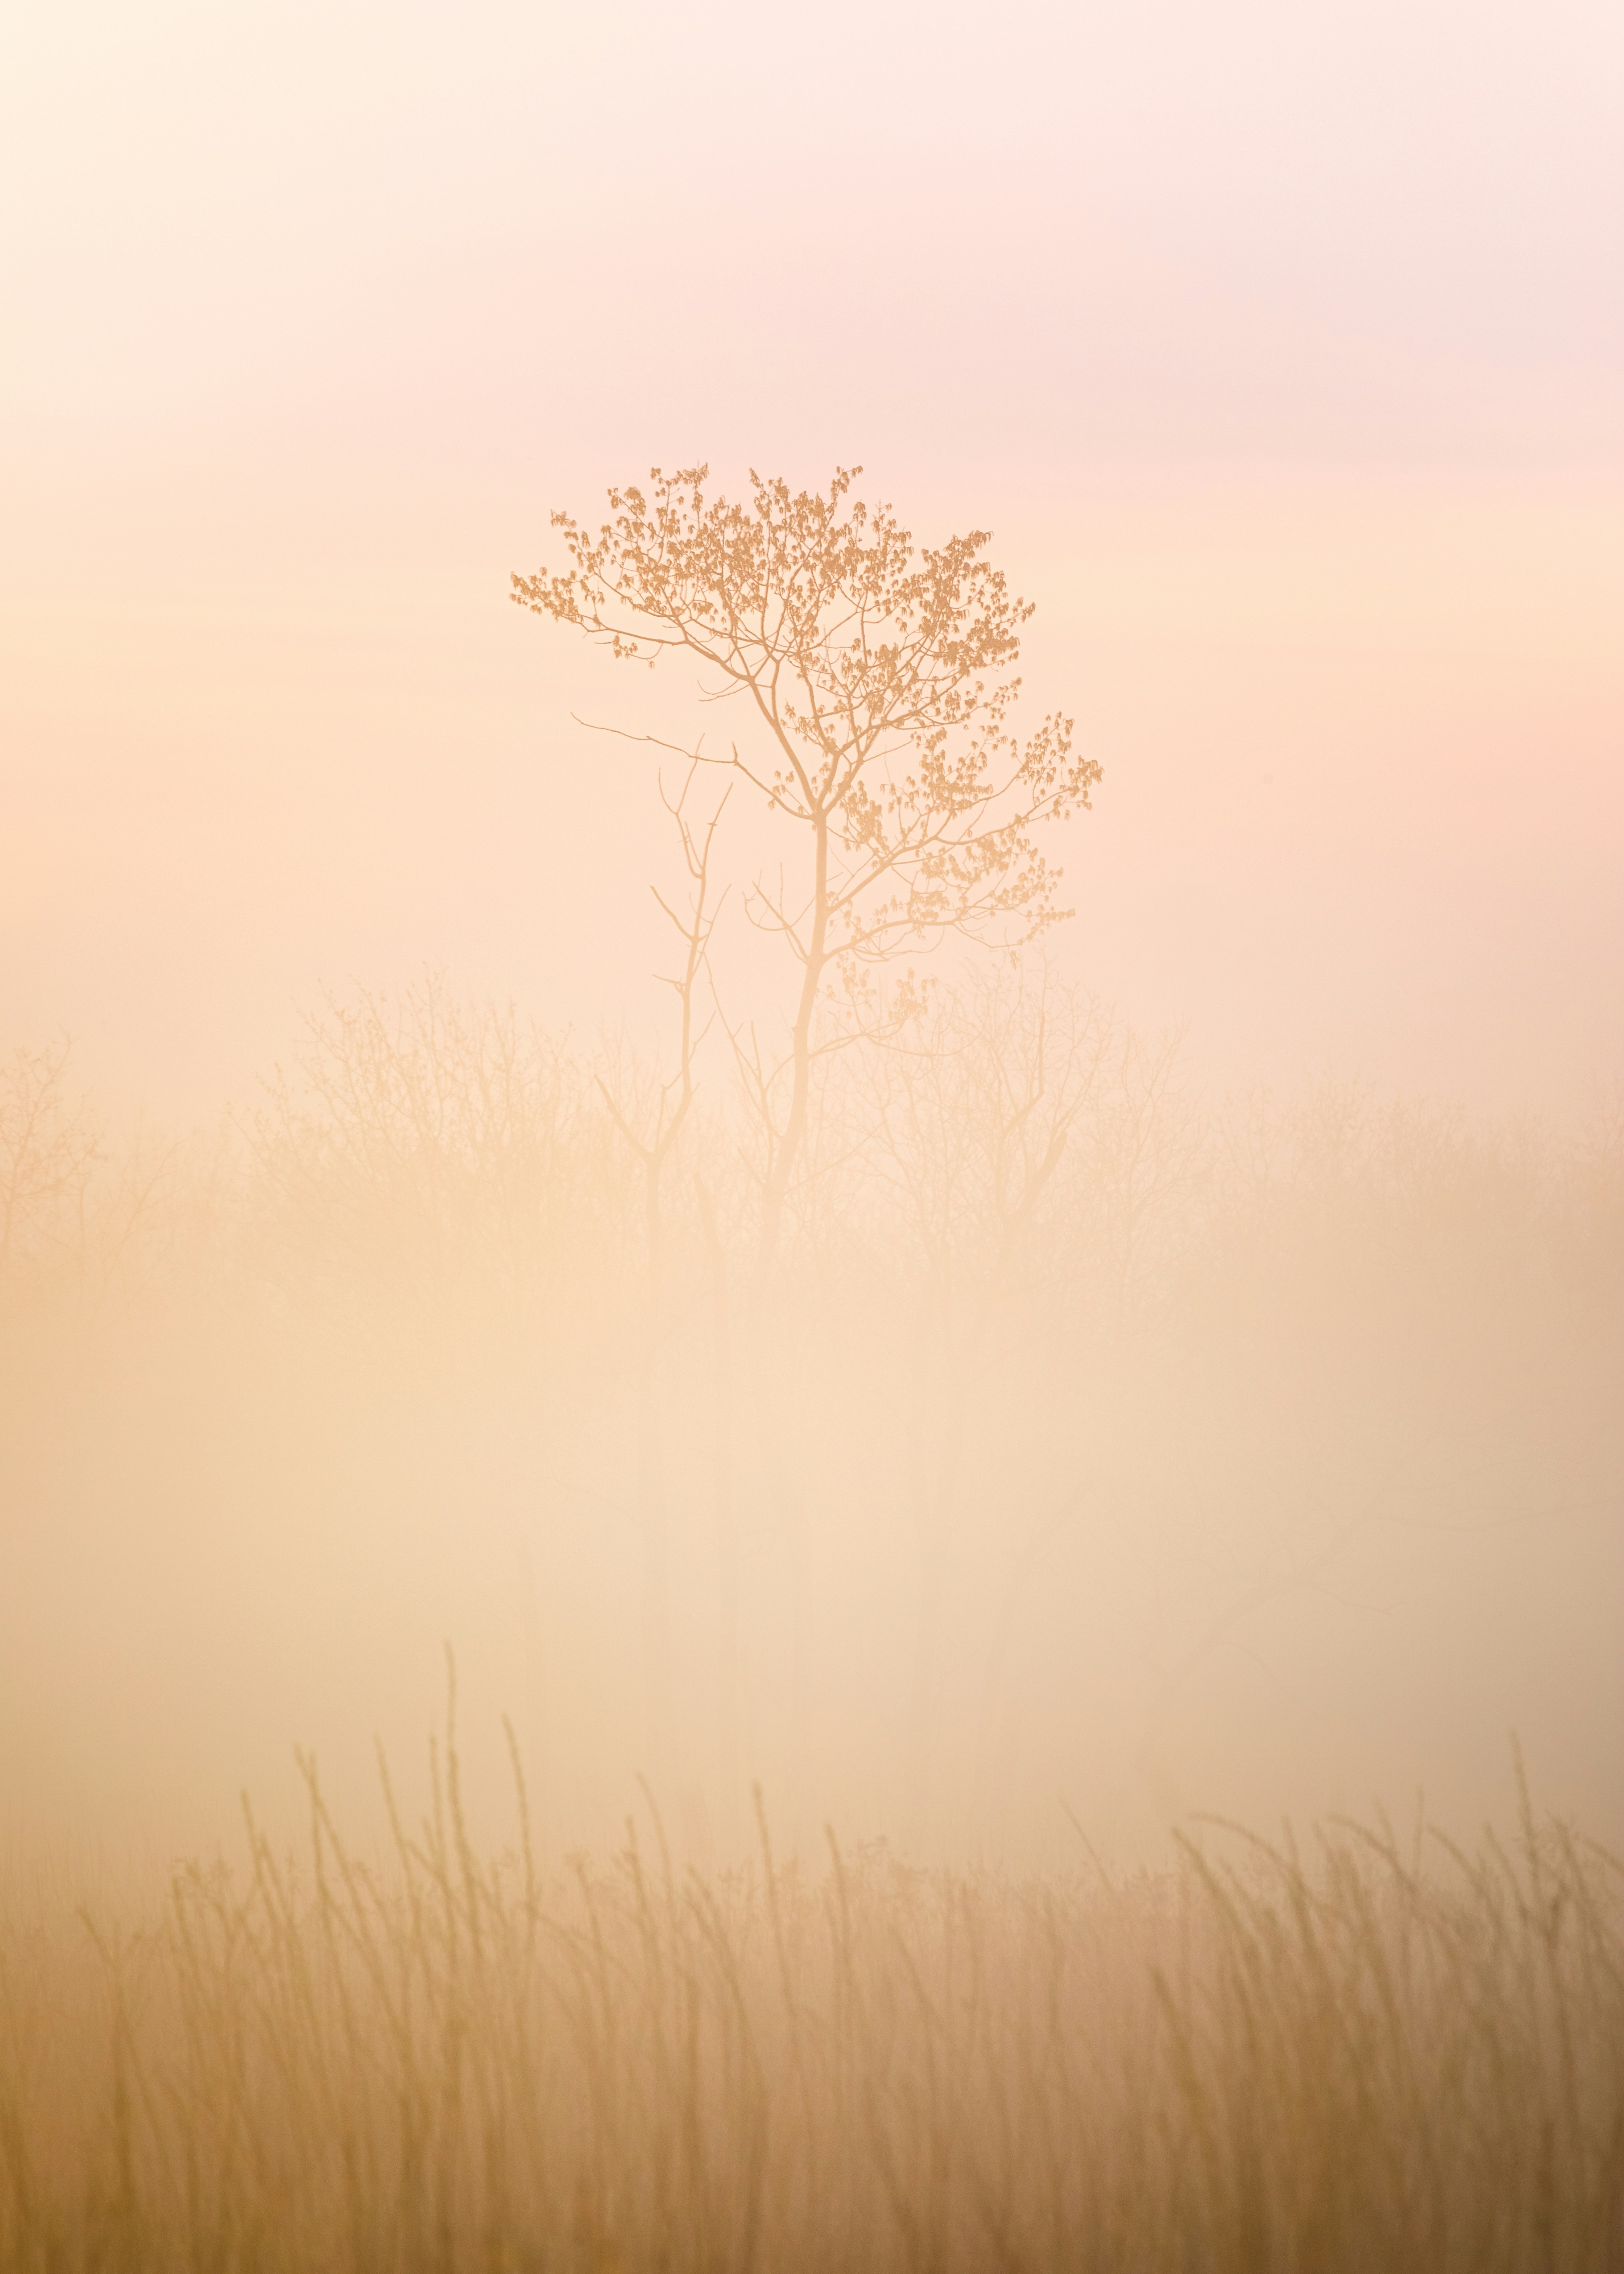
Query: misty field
[1100, 1456]
[1099, 1443]
[1366, 2053]
[812, 1139]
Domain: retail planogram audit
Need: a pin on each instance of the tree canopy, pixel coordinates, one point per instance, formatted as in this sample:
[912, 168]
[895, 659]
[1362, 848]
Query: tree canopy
[881, 678]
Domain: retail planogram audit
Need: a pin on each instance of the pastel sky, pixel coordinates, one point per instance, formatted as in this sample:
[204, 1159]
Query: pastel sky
[1282, 347]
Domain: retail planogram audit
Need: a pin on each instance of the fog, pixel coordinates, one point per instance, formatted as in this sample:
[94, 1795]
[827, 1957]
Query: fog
[919, 1181]
[1100, 1447]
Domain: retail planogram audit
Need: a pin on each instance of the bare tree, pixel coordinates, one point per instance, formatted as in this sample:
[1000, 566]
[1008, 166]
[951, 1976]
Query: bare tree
[878, 678]
[426, 1144]
[78, 1209]
[49, 1151]
[653, 1144]
[675, 1099]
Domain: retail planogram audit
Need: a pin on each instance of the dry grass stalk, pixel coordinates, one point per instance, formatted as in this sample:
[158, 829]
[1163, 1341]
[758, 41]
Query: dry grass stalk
[1348, 2057]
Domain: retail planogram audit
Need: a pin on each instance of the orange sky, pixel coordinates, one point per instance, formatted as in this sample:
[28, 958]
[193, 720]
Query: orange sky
[1282, 349]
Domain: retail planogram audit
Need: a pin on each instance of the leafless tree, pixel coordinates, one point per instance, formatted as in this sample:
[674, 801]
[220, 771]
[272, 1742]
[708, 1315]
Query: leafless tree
[49, 1151]
[652, 1143]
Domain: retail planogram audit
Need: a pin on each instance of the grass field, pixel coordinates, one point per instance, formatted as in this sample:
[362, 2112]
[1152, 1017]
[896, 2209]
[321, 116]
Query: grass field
[1367, 2052]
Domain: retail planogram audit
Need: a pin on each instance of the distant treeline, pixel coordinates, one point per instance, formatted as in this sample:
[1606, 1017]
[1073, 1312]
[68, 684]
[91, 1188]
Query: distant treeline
[1012, 1139]
[1066, 1394]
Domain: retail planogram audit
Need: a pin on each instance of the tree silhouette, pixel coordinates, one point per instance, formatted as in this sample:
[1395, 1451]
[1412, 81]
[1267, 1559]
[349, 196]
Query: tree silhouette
[878, 677]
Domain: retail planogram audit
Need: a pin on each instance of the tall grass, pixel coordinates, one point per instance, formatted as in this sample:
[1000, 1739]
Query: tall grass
[1356, 2054]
